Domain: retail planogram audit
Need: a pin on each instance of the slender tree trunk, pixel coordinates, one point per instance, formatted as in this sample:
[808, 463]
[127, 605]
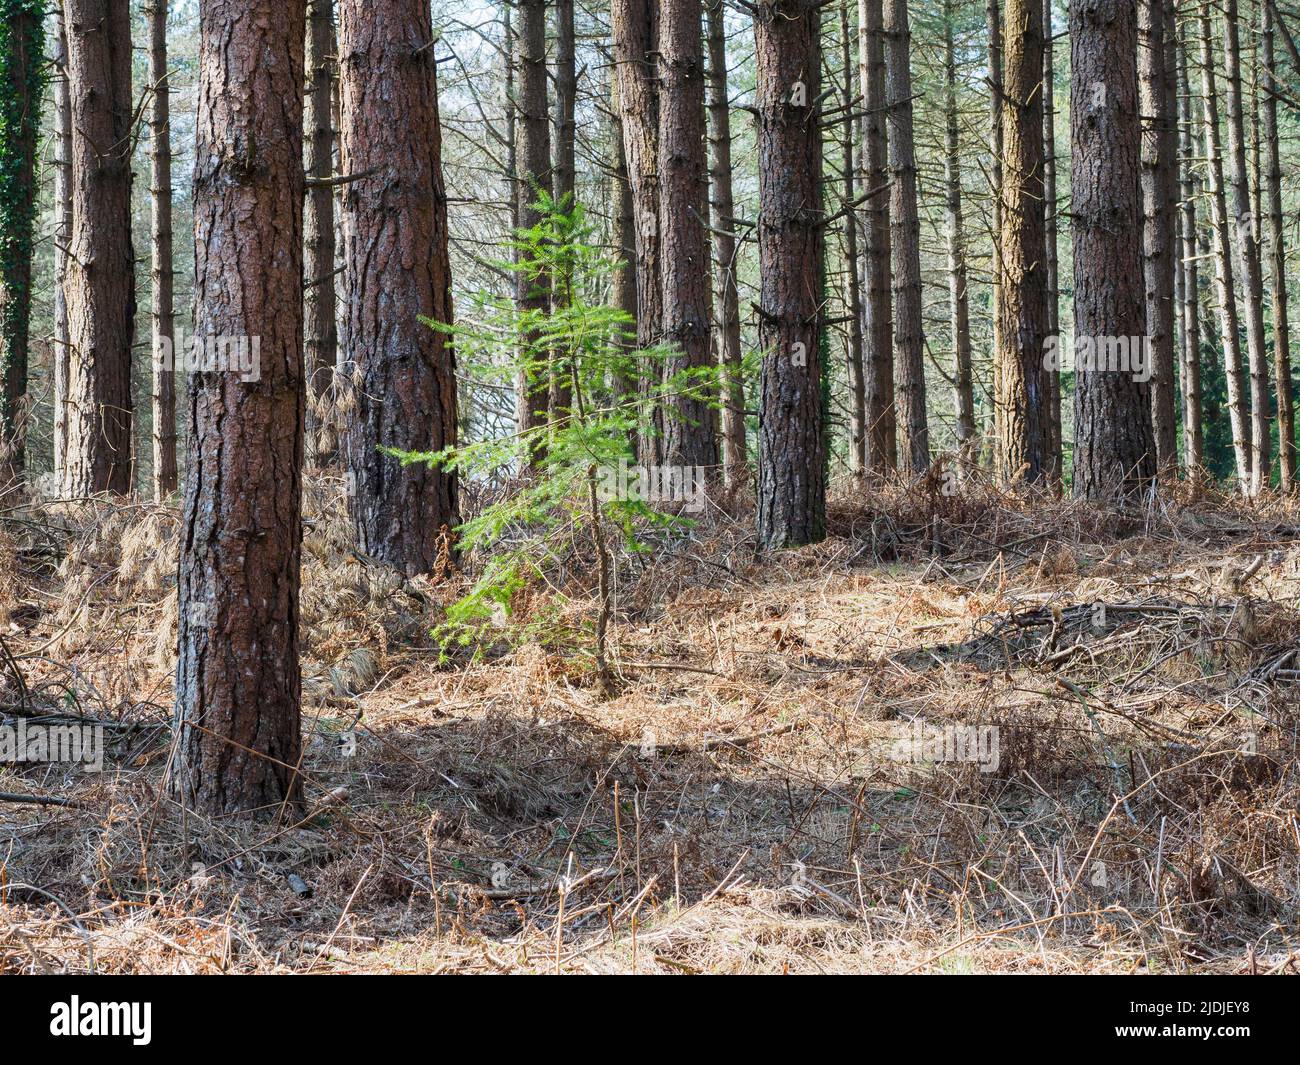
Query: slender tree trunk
[958, 296]
[993, 24]
[100, 285]
[22, 37]
[1277, 259]
[1157, 223]
[623, 237]
[905, 239]
[1115, 446]
[238, 684]
[727, 297]
[882, 426]
[62, 238]
[792, 444]
[162, 311]
[688, 432]
[1248, 264]
[396, 256]
[320, 322]
[1022, 406]
[1193, 425]
[634, 29]
[565, 169]
[1052, 373]
[532, 294]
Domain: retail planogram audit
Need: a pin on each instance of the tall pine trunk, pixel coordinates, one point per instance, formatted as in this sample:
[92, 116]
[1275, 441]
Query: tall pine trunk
[163, 276]
[565, 169]
[62, 238]
[1052, 432]
[1190, 376]
[955, 230]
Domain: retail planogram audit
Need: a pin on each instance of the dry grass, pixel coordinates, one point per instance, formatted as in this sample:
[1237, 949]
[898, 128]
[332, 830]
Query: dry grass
[735, 805]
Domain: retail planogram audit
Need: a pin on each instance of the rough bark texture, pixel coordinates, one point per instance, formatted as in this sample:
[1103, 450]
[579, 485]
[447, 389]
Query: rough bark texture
[993, 23]
[100, 286]
[397, 272]
[238, 684]
[565, 170]
[905, 240]
[623, 237]
[62, 237]
[21, 44]
[1229, 336]
[688, 431]
[1114, 441]
[535, 177]
[1158, 150]
[958, 293]
[1190, 376]
[1052, 375]
[726, 294]
[1022, 406]
[320, 304]
[882, 427]
[792, 444]
[1248, 264]
[855, 370]
[1286, 456]
[162, 311]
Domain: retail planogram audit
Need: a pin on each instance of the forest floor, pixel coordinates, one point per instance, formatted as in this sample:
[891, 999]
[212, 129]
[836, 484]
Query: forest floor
[749, 795]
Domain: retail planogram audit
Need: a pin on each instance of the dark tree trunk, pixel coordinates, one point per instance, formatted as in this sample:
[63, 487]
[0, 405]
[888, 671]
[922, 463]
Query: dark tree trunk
[100, 286]
[1052, 433]
[688, 430]
[1190, 377]
[882, 425]
[163, 276]
[1115, 446]
[1158, 162]
[853, 289]
[21, 59]
[792, 444]
[238, 684]
[993, 24]
[958, 294]
[905, 239]
[1022, 406]
[565, 169]
[623, 237]
[1228, 325]
[1277, 260]
[727, 297]
[397, 272]
[320, 305]
[62, 238]
[1248, 264]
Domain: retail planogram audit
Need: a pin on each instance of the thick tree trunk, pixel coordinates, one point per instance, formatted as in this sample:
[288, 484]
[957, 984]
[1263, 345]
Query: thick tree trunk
[1286, 455]
[1115, 446]
[532, 294]
[726, 294]
[162, 310]
[958, 295]
[1228, 324]
[21, 58]
[1248, 264]
[238, 685]
[688, 429]
[634, 30]
[792, 443]
[1190, 377]
[1022, 294]
[1157, 223]
[1052, 458]
[320, 305]
[905, 239]
[882, 426]
[62, 238]
[397, 272]
[100, 287]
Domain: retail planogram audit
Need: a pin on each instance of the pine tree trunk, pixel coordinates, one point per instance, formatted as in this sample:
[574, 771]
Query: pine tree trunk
[162, 310]
[724, 249]
[1193, 422]
[1052, 373]
[238, 684]
[1277, 260]
[623, 237]
[1248, 264]
[1157, 223]
[565, 169]
[688, 431]
[1022, 295]
[320, 322]
[958, 295]
[100, 287]
[882, 426]
[905, 239]
[21, 58]
[1115, 446]
[792, 443]
[396, 256]
[62, 238]
[1228, 324]
[993, 24]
